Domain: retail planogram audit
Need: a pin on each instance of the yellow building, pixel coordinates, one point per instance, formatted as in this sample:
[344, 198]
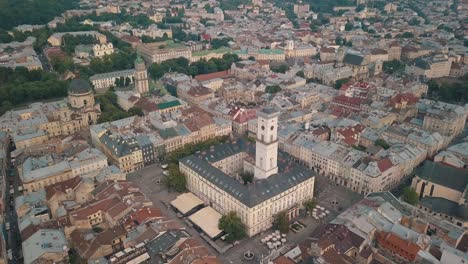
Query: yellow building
[159, 51]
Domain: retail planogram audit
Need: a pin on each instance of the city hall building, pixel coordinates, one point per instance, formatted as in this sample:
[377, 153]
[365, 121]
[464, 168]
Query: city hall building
[279, 184]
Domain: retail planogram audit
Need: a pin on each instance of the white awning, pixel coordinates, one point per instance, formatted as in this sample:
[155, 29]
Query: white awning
[207, 220]
[186, 202]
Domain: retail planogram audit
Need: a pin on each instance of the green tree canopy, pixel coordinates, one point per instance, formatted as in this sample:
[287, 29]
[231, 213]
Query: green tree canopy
[176, 180]
[281, 222]
[247, 177]
[272, 89]
[280, 68]
[233, 226]
[310, 204]
[394, 66]
[410, 196]
[382, 143]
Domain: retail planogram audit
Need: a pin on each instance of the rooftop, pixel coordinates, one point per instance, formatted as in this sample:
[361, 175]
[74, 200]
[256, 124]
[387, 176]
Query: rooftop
[290, 174]
[450, 177]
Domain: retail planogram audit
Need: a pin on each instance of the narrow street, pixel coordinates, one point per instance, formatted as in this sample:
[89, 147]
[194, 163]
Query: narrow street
[13, 239]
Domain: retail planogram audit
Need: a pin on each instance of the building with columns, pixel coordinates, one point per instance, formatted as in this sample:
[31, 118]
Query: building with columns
[278, 185]
[141, 76]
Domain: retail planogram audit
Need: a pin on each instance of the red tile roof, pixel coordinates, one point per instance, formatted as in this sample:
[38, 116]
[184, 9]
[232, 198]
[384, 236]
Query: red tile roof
[61, 187]
[397, 245]
[143, 215]
[214, 75]
[283, 260]
[384, 164]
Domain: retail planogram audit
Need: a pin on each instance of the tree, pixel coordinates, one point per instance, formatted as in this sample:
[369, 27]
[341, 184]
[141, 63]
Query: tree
[300, 74]
[127, 81]
[388, 36]
[281, 68]
[33, 12]
[247, 177]
[272, 89]
[176, 180]
[410, 196]
[414, 21]
[233, 226]
[281, 222]
[360, 8]
[310, 204]
[340, 82]
[252, 58]
[209, 8]
[349, 26]
[136, 111]
[393, 66]
[382, 143]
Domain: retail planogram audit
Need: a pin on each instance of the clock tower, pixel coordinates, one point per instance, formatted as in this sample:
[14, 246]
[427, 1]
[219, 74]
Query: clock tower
[266, 154]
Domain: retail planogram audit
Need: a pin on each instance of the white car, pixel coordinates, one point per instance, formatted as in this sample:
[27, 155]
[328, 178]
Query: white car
[164, 166]
[7, 226]
[166, 173]
[12, 191]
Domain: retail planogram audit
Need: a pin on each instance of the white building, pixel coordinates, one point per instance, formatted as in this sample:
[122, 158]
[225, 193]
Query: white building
[100, 50]
[278, 184]
[106, 80]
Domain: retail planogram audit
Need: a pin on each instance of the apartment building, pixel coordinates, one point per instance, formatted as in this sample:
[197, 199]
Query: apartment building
[446, 119]
[121, 141]
[355, 169]
[431, 142]
[430, 66]
[39, 172]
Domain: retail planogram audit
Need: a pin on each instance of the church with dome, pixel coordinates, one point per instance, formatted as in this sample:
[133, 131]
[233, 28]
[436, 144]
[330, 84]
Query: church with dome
[45, 120]
[83, 109]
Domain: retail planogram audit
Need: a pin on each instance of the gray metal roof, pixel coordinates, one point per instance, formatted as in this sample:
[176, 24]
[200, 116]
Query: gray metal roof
[450, 177]
[79, 86]
[290, 174]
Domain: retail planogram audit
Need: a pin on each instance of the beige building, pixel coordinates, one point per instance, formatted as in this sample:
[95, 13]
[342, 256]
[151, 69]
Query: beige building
[442, 191]
[117, 139]
[32, 125]
[73, 190]
[430, 67]
[56, 38]
[294, 50]
[100, 50]
[213, 176]
[159, 51]
[39, 172]
[447, 119]
[102, 81]
[355, 169]
[217, 14]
